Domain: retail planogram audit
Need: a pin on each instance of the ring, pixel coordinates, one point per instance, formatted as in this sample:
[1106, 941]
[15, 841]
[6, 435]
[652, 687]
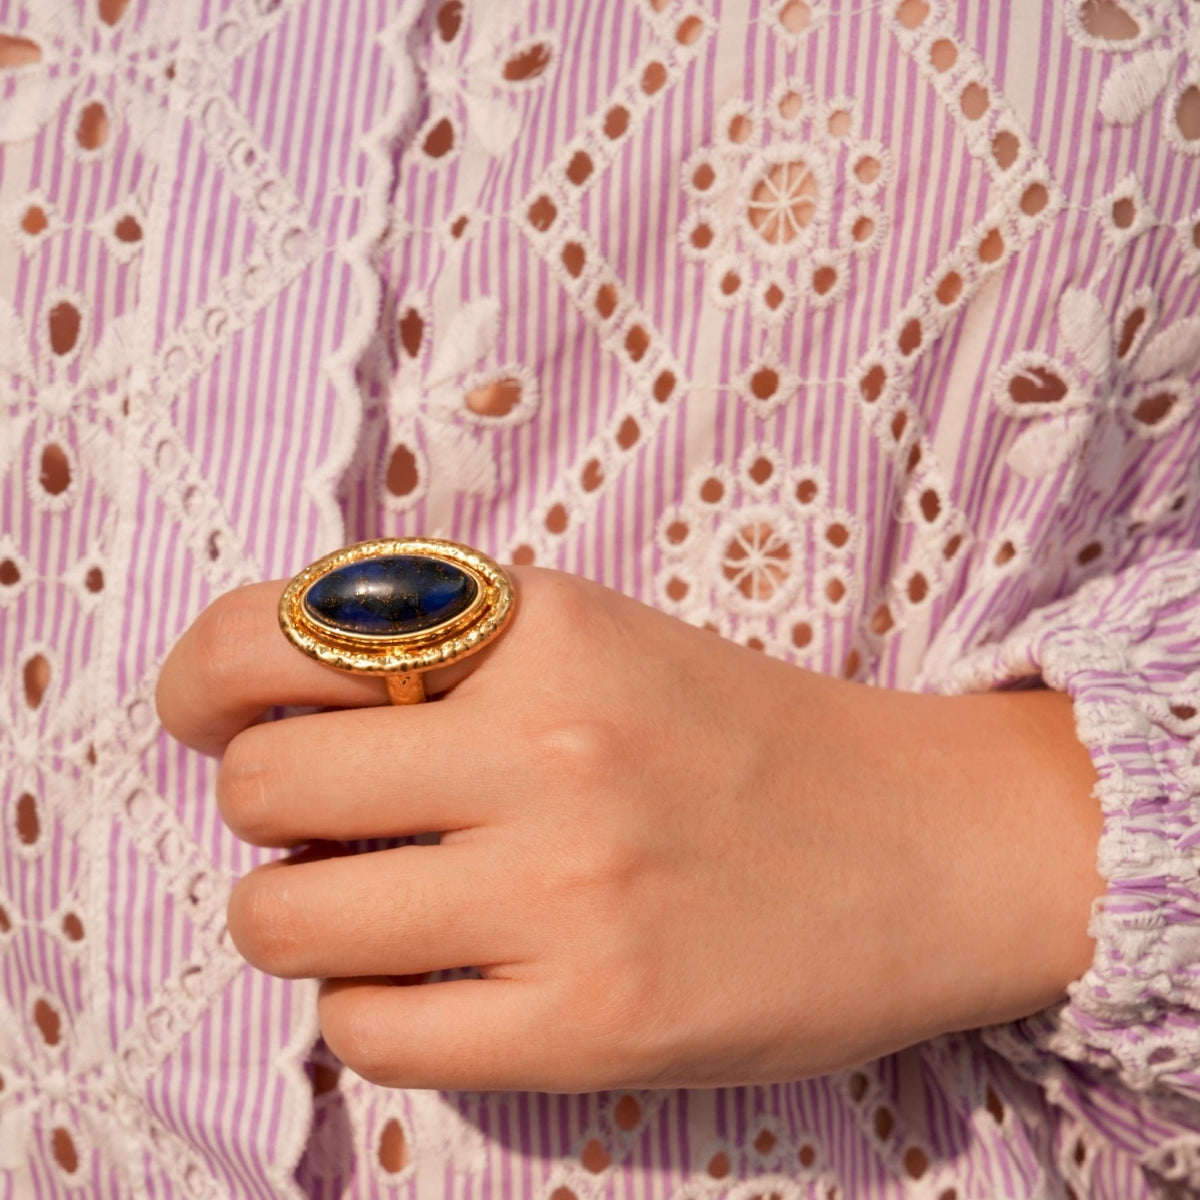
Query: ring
[397, 607]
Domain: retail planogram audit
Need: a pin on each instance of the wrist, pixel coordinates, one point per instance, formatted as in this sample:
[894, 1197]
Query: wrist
[1018, 824]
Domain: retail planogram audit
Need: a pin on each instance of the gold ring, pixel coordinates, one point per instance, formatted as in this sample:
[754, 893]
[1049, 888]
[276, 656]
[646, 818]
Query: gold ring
[397, 607]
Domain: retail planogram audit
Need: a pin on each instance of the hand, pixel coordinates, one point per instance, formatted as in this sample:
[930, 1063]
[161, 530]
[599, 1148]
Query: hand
[674, 861]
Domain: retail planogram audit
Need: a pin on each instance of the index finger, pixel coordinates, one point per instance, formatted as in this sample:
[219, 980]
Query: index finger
[233, 664]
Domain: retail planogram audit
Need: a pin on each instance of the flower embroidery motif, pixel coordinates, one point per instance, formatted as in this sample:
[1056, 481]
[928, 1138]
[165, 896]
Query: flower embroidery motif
[437, 415]
[470, 77]
[46, 385]
[781, 200]
[761, 545]
[101, 57]
[1151, 35]
[1127, 368]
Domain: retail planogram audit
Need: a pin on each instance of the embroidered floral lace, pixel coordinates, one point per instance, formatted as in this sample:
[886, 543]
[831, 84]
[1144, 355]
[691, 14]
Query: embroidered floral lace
[865, 333]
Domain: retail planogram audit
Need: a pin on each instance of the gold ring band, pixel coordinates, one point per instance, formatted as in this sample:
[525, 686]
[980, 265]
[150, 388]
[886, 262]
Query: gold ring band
[397, 607]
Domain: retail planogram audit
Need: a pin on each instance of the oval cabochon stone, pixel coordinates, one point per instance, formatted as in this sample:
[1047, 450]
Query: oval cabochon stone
[390, 595]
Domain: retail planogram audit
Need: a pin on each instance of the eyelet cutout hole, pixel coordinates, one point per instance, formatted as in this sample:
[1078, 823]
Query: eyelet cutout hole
[1130, 328]
[92, 128]
[594, 1157]
[627, 1113]
[574, 259]
[439, 141]
[16, 51]
[764, 383]
[542, 213]
[48, 1021]
[943, 54]
[527, 63]
[837, 535]
[637, 342]
[974, 101]
[29, 824]
[579, 168]
[1034, 199]
[824, 280]
[616, 122]
[761, 470]
[412, 332]
[910, 337]
[991, 248]
[1124, 212]
[653, 78]
[1151, 410]
[393, 1148]
[495, 399]
[449, 20]
[912, 13]
[872, 383]
[36, 677]
[63, 1147]
[840, 123]
[606, 301]
[402, 475]
[592, 475]
[1005, 149]
[1108, 21]
[795, 16]
[719, 1165]
[1187, 114]
[63, 324]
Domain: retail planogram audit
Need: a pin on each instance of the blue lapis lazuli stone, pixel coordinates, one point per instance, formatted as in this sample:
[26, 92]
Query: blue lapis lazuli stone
[390, 595]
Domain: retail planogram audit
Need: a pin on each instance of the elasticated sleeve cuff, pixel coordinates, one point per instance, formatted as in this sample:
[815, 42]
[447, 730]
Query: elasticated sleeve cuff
[1127, 650]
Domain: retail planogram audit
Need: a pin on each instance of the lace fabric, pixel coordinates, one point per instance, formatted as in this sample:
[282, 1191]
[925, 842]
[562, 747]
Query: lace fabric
[648, 291]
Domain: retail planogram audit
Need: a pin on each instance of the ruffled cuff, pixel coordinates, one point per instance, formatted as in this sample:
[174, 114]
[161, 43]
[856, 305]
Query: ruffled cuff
[1127, 650]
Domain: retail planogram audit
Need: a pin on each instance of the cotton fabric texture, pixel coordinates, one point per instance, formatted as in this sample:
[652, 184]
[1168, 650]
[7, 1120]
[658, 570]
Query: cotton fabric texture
[866, 333]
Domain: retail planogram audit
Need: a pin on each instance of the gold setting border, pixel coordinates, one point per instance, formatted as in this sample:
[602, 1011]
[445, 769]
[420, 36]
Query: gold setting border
[443, 644]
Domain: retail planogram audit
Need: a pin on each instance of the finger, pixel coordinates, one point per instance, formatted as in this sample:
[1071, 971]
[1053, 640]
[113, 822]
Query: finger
[392, 912]
[462, 1034]
[233, 664]
[378, 772]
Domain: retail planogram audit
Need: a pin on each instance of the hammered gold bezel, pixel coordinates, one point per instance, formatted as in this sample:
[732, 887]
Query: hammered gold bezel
[440, 645]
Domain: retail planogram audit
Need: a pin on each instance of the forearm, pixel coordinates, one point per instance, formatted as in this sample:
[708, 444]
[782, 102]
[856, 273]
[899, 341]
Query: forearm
[994, 793]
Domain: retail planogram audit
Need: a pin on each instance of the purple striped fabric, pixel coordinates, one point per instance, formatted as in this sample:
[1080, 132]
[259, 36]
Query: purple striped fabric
[867, 334]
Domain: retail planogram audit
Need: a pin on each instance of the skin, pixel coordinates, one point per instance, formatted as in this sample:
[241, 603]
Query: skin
[674, 861]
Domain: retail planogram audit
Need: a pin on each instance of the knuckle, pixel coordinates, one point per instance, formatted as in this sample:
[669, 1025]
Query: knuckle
[577, 749]
[243, 790]
[264, 924]
[222, 634]
[352, 1031]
